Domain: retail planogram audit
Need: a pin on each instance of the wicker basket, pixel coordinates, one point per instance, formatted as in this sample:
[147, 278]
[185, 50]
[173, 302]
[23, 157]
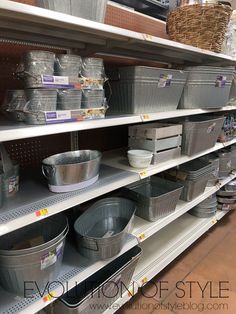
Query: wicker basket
[202, 26]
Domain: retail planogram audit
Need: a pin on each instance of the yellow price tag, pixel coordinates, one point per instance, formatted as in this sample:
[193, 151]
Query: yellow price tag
[145, 117]
[214, 221]
[143, 174]
[49, 297]
[148, 37]
[130, 293]
[141, 237]
[41, 213]
[144, 280]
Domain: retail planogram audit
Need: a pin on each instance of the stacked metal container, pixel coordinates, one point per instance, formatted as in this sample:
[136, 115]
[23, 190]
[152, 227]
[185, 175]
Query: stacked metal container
[200, 133]
[205, 209]
[140, 89]
[155, 197]
[226, 196]
[194, 176]
[225, 163]
[215, 162]
[206, 87]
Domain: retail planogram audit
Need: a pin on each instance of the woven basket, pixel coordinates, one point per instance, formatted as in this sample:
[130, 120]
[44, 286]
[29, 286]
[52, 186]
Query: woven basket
[202, 26]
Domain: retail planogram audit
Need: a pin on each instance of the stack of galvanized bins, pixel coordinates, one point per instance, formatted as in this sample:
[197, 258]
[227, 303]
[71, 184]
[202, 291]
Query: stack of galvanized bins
[226, 197]
[164, 140]
[205, 209]
[193, 175]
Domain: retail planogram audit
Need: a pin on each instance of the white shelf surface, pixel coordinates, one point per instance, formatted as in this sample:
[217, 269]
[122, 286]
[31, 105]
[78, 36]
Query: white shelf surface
[182, 113]
[23, 22]
[75, 269]
[10, 131]
[163, 247]
[118, 159]
[13, 131]
[21, 210]
[143, 229]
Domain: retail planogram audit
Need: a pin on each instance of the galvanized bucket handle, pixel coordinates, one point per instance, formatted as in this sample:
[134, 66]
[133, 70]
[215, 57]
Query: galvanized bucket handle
[48, 171]
[7, 164]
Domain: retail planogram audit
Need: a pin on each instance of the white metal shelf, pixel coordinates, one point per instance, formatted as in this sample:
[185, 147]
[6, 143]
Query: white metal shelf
[10, 131]
[22, 22]
[182, 113]
[163, 247]
[13, 131]
[118, 159]
[144, 229]
[24, 208]
[75, 269]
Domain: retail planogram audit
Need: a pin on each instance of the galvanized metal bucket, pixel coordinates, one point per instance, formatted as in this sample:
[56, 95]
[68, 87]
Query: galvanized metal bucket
[38, 264]
[101, 229]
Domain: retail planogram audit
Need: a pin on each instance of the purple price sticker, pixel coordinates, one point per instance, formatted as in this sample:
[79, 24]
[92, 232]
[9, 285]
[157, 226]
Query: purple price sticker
[220, 81]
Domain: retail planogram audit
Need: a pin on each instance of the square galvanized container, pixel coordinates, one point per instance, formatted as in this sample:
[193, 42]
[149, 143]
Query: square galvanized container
[206, 87]
[140, 89]
[200, 133]
[155, 197]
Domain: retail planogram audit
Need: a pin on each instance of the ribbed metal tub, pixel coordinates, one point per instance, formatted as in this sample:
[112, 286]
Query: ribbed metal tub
[200, 133]
[38, 264]
[101, 229]
[155, 197]
[206, 87]
[139, 89]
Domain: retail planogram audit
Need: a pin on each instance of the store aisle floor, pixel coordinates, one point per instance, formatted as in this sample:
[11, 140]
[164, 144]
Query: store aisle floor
[201, 280]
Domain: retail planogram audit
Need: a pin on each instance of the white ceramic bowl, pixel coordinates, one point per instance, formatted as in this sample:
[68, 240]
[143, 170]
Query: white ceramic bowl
[139, 158]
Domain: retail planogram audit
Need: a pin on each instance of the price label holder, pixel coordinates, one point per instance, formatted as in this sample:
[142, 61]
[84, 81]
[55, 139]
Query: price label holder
[145, 117]
[144, 281]
[143, 174]
[42, 213]
[141, 237]
[214, 221]
[130, 293]
[49, 297]
[148, 37]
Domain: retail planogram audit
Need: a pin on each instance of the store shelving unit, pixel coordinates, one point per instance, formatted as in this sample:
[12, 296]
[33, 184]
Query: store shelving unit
[10, 131]
[162, 241]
